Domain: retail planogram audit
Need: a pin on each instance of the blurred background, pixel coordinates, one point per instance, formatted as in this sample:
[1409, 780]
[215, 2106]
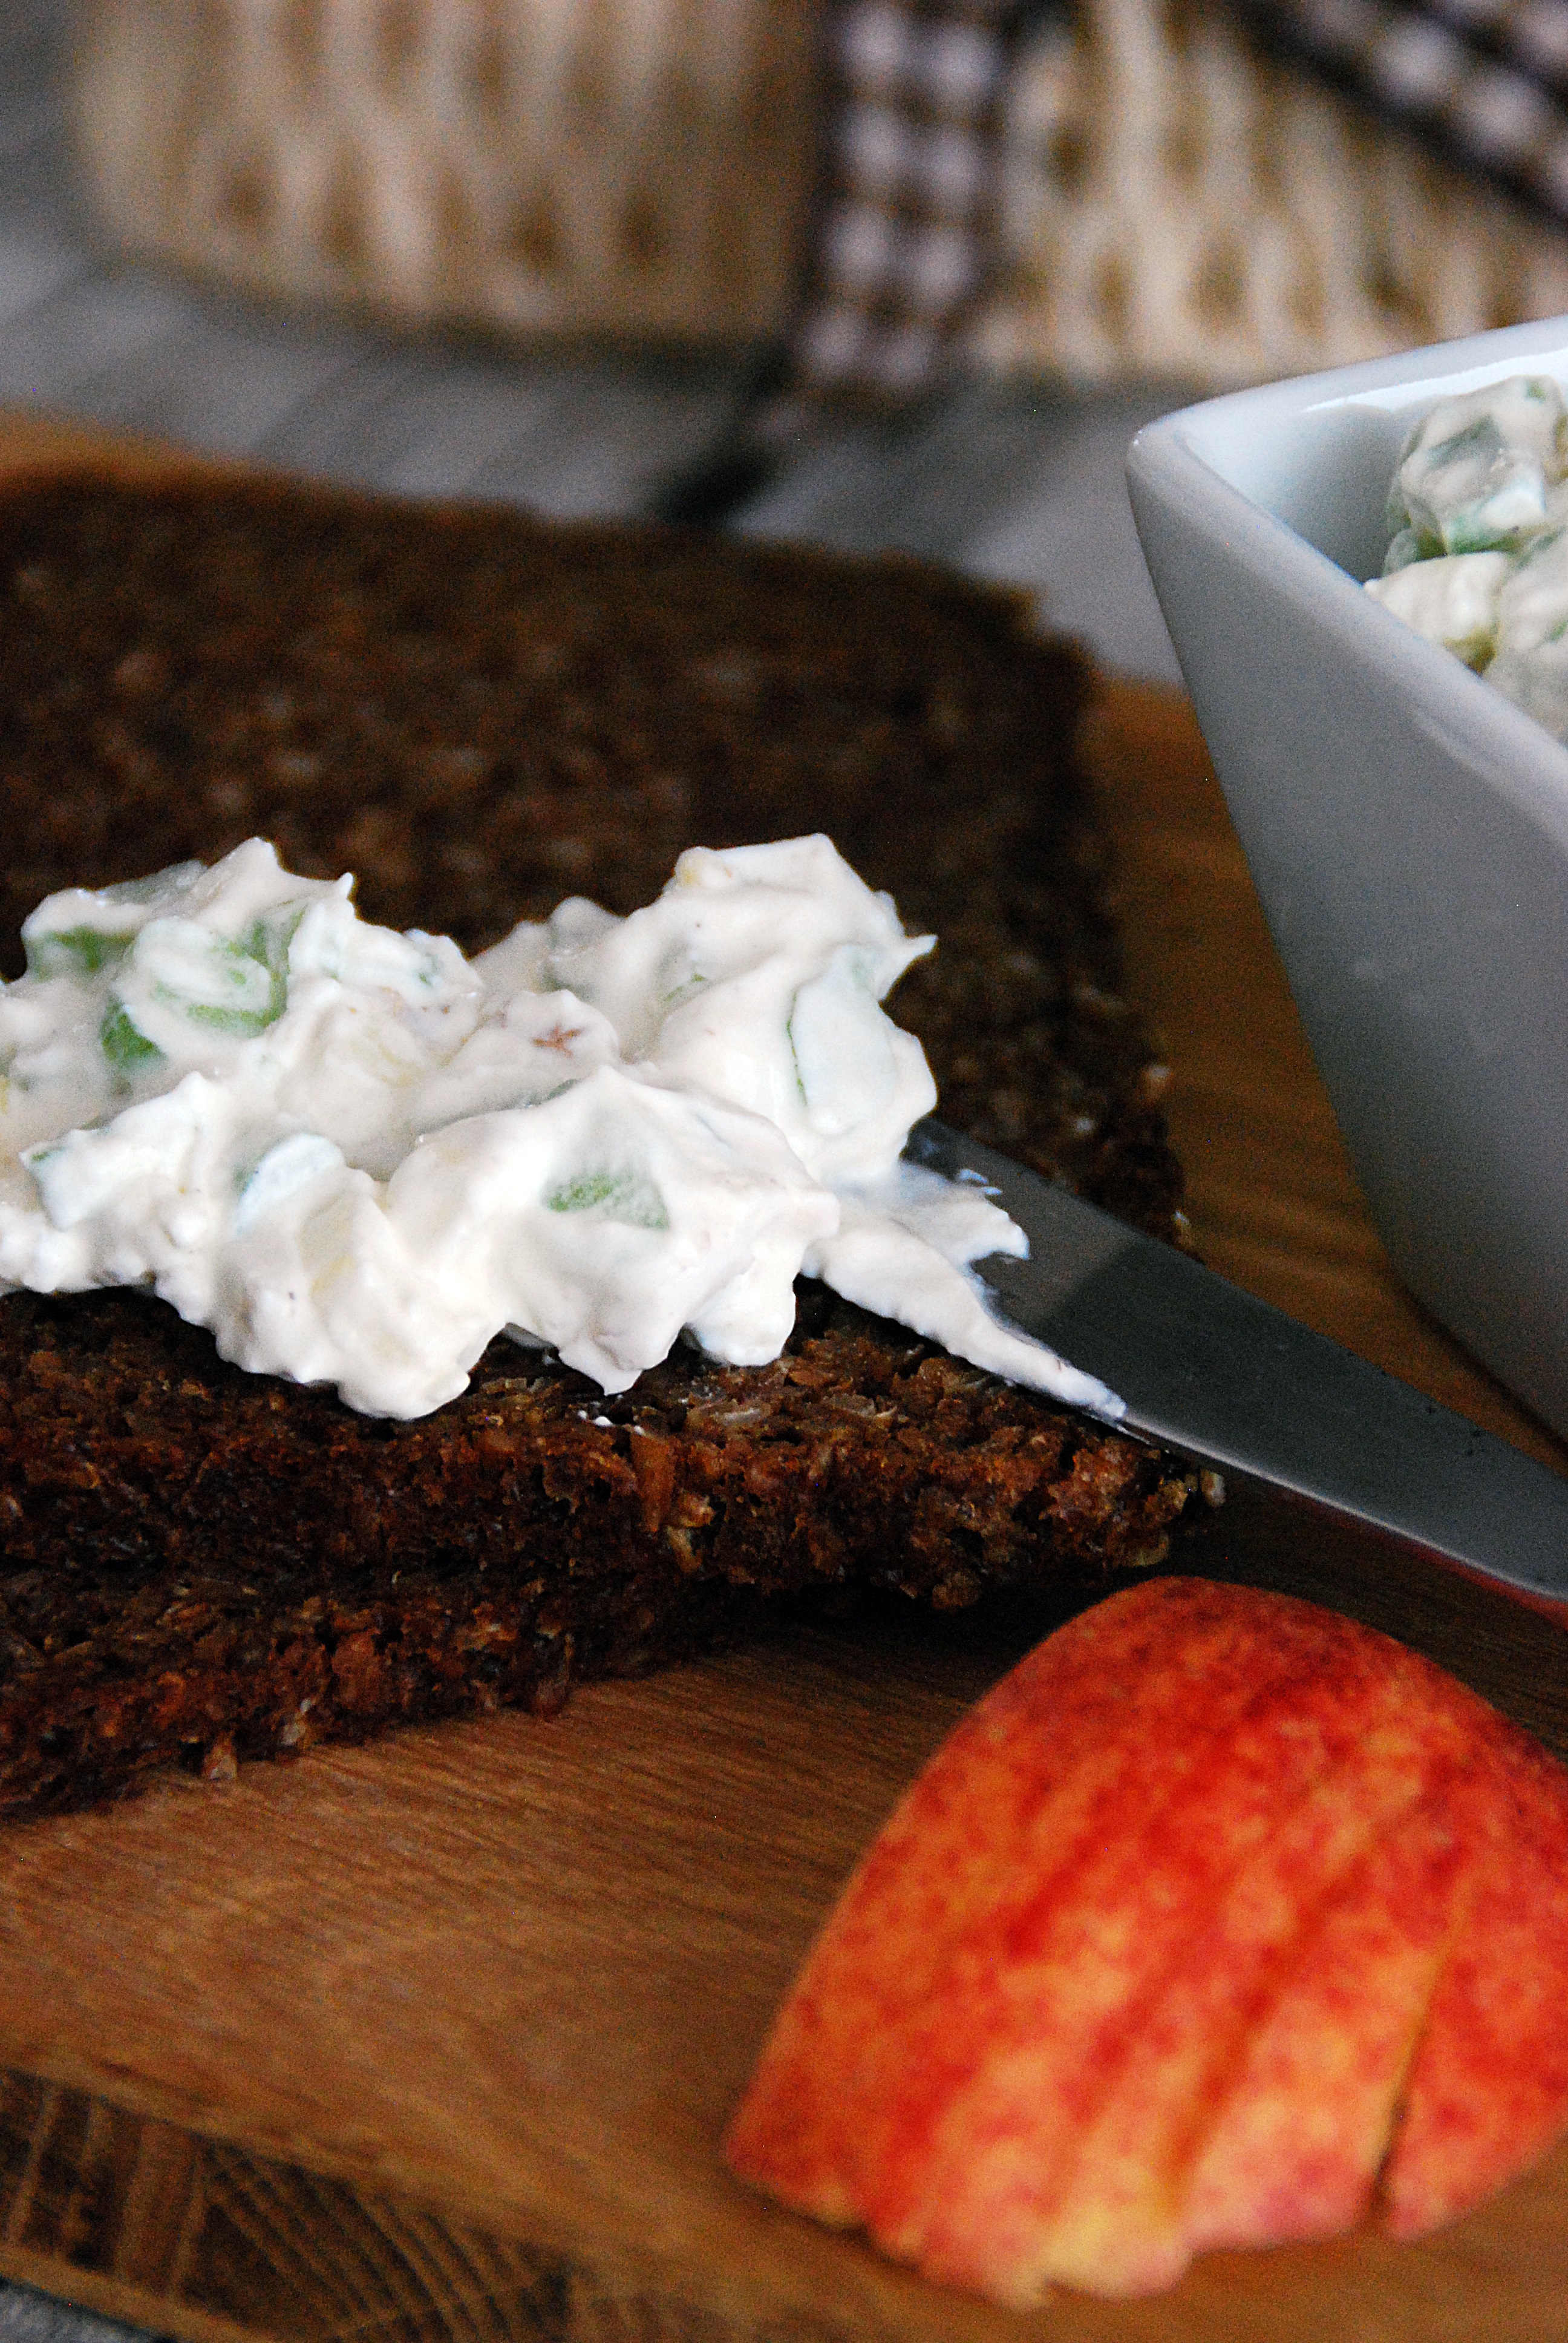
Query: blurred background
[538, 250]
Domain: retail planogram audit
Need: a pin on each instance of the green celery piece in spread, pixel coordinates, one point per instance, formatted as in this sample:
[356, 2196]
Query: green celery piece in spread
[795, 1053]
[236, 966]
[1475, 470]
[1407, 546]
[157, 886]
[263, 951]
[627, 1196]
[125, 1046]
[76, 952]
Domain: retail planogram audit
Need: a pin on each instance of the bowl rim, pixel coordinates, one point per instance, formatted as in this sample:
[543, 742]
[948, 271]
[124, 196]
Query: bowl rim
[1433, 370]
[1180, 461]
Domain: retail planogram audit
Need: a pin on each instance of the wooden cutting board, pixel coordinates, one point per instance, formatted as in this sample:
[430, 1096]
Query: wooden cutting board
[437, 2039]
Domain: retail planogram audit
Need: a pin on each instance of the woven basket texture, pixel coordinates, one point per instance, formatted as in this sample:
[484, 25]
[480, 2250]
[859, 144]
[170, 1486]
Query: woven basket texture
[1178, 206]
[1175, 206]
[550, 167]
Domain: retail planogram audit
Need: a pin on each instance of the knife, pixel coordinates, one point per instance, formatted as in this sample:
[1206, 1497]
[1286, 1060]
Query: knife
[1208, 1369]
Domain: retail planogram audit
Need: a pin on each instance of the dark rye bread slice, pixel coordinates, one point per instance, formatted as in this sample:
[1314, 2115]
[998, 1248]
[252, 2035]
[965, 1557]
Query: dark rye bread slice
[479, 713]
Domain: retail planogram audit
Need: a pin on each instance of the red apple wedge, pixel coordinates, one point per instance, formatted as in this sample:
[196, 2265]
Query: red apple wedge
[1220, 1921]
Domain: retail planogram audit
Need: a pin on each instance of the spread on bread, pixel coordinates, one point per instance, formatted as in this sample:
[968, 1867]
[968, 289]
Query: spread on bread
[357, 1157]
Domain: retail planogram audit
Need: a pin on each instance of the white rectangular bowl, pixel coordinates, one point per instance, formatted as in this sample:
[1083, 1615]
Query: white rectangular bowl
[1407, 829]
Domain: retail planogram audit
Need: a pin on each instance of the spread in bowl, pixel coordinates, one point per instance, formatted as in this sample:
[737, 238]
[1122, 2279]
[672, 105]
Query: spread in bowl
[357, 1156]
[1478, 560]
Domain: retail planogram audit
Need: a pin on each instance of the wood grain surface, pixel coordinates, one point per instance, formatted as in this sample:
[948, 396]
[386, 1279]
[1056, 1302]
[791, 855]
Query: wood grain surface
[437, 2038]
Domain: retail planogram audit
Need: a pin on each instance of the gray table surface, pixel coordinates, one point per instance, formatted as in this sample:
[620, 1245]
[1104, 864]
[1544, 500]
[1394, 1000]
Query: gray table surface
[1022, 483]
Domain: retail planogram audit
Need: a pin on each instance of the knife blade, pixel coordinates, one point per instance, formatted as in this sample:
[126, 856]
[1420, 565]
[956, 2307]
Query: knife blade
[1206, 1368]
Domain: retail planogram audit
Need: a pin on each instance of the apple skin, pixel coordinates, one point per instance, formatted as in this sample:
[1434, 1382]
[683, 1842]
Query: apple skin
[1220, 1921]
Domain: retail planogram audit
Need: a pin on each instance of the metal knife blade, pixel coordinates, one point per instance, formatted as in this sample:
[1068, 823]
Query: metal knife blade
[1206, 1368]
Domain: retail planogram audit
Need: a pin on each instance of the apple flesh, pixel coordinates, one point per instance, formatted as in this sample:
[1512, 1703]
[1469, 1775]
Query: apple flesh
[1220, 1921]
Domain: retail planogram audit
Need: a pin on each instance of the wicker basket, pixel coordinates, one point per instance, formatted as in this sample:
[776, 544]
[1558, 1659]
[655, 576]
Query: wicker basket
[580, 166]
[1179, 206]
[1175, 206]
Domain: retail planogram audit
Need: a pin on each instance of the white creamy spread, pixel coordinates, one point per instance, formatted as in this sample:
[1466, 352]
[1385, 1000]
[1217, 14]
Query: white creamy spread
[1479, 557]
[357, 1156]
